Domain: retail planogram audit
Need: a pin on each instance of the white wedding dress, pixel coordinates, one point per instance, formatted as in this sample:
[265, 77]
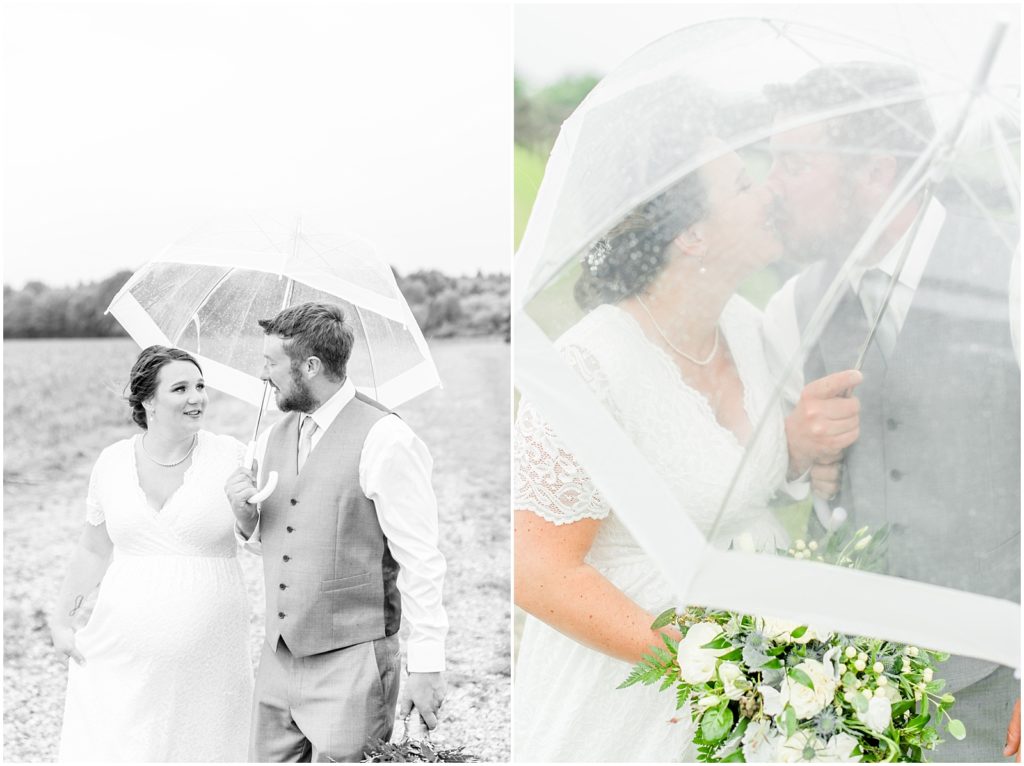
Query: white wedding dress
[167, 673]
[567, 707]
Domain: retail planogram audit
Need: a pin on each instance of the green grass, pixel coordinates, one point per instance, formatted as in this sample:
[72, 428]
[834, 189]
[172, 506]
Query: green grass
[529, 170]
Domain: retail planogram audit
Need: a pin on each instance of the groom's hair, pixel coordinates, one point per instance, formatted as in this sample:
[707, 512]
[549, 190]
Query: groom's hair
[314, 329]
[879, 107]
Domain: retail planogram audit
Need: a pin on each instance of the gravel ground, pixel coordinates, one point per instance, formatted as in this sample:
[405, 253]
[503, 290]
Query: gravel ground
[48, 454]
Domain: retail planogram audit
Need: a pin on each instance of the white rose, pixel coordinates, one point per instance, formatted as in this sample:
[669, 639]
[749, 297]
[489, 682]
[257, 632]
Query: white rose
[782, 631]
[760, 742]
[733, 680]
[838, 749]
[807, 702]
[697, 665]
[878, 715]
[772, 700]
[706, 702]
[792, 750]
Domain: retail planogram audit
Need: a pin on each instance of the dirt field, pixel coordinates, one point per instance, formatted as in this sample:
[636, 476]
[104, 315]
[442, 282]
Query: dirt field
[63, 403]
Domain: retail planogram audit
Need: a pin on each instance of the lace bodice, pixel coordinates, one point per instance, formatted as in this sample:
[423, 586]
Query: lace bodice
[671, 423]
[196, 520]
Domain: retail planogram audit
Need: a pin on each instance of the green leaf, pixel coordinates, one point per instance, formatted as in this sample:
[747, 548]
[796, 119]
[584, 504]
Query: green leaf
[716, 723]
[775, 664]
[670, 642]
[849, 678]
[663, 619]
[719, 642]
[936, 686]
[736, 756]
[901, 707]
[948, 699]
[859, 702]
[682, 696]
[799, 631]
[918, 722]
[775, 651]
[735, 654]
[801, 677]
[956, 729]
[789, 720]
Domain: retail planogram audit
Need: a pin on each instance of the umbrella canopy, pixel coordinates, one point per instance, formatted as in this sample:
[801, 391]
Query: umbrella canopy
[635, 179]
[206, 292]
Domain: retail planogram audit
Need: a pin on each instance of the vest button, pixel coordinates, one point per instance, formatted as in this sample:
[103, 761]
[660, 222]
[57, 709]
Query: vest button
[282, 586]
[286, 558]
[891, 424]
[280, 615]
[896, 474]
[289, 529]
[293, 501]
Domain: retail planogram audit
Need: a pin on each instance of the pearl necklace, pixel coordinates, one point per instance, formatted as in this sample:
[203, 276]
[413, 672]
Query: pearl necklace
[699, 362]
[195, 440]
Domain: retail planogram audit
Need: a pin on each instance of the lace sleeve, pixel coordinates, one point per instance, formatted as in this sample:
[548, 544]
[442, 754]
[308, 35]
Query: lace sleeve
[93, 510]
[548, 480]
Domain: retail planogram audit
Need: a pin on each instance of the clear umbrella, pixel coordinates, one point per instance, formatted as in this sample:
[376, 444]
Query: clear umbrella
[205, 293]
[686, 174]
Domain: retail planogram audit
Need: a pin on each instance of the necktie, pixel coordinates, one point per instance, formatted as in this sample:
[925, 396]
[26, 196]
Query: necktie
[872, 291]
[306, 431]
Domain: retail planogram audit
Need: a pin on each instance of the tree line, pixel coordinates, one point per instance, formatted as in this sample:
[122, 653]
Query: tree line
[444, 306]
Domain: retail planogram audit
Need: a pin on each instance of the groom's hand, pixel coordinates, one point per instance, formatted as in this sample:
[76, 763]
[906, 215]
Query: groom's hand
[1013, 733]
[824, 422]
[240, 486]
[425, 692]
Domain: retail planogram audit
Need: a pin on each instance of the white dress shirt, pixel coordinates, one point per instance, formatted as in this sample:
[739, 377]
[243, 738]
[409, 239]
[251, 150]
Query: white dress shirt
[394, 472]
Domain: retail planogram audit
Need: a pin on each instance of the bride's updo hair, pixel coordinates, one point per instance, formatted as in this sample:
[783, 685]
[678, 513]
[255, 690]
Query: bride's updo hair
[145, 372]
[670, 123]
[629, 257]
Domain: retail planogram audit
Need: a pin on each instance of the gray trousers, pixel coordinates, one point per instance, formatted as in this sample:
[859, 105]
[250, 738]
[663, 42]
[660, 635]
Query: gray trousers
[326, 708]
[984, 708]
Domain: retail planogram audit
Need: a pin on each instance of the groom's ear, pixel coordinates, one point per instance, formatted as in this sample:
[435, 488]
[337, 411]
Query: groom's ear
[690, 242]
[313, 366]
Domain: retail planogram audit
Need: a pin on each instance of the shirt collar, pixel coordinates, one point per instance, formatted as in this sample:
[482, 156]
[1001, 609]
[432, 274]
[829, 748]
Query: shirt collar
[920, 250]
[327, 412]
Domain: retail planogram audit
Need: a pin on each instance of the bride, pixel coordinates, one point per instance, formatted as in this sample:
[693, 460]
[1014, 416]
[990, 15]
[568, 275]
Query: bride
[676, 357]
[161, 671]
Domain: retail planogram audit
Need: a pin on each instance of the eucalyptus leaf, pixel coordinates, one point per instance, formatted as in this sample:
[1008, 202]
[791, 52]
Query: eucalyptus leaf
[956, 729]
[789, 720]
[663, 619]
[801, 677]
[716, 723]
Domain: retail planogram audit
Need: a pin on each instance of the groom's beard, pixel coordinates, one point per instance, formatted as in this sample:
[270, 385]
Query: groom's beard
[834, 244]
[300, 399]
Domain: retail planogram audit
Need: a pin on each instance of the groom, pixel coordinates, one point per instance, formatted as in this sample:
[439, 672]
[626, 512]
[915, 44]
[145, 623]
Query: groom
[938, 456]
[348, 538]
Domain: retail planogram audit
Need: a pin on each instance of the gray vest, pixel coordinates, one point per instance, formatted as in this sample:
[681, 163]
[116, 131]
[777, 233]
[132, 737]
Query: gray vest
[938, 458]
[330, 578]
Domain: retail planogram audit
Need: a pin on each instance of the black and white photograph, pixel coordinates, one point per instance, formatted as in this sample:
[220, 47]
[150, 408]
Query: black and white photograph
[256, 382]
[766, 457]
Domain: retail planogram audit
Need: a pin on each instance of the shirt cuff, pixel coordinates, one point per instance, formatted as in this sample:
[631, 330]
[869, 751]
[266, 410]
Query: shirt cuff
[425, 656]
[253, 543]
[800, 487]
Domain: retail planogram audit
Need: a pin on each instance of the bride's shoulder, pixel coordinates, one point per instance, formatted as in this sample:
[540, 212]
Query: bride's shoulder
[223, 445]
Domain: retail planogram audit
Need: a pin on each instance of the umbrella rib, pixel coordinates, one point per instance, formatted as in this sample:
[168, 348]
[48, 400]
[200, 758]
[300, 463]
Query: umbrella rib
[202, 303]
[369, 350]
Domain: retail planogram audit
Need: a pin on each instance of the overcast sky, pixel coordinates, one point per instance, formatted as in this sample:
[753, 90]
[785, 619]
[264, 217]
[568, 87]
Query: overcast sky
[553, 40]
[127, 124]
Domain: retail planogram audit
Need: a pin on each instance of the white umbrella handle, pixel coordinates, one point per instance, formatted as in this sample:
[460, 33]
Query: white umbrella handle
[270, 486]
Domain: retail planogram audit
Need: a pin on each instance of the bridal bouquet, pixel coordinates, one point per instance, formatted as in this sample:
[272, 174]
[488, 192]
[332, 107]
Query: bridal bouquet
[762, 690]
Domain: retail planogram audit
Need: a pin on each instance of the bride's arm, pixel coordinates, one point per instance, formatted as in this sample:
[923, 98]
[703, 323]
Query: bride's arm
[554, 584]
[88, 564]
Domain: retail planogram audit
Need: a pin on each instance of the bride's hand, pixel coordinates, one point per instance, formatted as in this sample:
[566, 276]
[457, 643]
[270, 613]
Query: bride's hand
[63, 637]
